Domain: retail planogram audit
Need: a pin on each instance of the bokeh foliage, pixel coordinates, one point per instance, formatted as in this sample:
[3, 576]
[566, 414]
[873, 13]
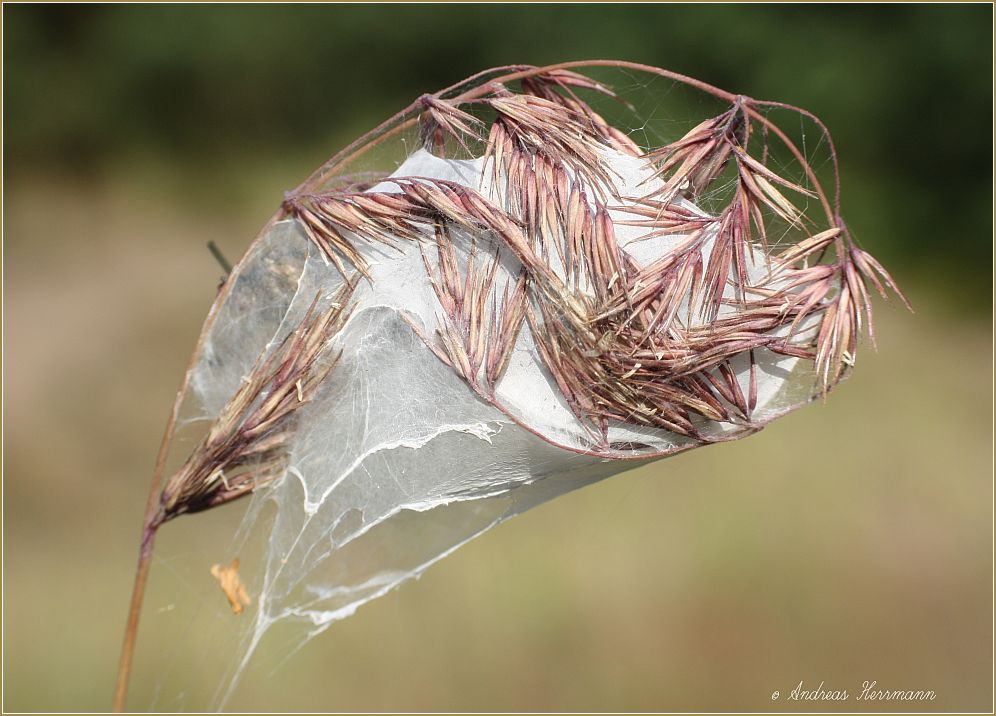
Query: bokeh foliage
[906, 90]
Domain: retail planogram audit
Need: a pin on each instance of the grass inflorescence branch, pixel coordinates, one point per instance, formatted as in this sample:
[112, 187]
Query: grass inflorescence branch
[660, 344]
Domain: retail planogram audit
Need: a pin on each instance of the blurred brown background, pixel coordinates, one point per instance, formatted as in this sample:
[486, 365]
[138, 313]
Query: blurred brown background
[850, 541]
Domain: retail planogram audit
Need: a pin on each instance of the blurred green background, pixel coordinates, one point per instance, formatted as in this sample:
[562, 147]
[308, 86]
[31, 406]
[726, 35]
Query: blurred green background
[847, 542]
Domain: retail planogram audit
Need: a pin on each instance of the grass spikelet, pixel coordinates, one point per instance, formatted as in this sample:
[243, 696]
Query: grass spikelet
[244, 448]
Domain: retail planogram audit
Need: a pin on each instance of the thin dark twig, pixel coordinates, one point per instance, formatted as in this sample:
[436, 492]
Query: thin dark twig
[226, 266]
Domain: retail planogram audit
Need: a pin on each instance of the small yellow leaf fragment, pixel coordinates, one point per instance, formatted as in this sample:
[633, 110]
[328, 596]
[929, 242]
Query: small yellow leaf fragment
[231, 584]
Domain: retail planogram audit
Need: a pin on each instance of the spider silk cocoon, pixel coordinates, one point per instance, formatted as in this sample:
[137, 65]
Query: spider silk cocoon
[396, 461]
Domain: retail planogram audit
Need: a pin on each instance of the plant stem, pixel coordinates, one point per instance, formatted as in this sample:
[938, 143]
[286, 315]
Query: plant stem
[131, 631]
[152, 517]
